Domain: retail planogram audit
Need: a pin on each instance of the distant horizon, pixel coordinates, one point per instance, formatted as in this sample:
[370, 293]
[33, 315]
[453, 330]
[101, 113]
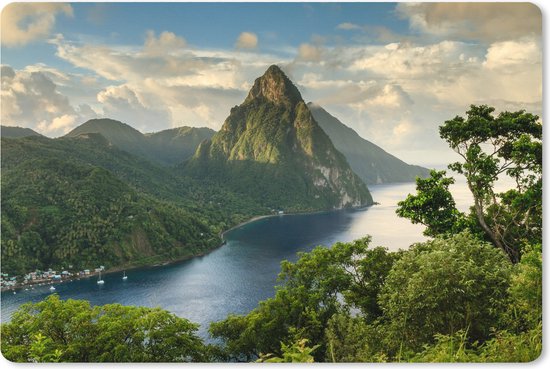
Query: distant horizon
[393, 72]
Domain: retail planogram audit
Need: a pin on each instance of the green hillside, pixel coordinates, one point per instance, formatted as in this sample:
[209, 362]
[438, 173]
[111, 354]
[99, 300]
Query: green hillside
[58, 212]
[271, 149]
[84, 202]
[17, 132]
[172, 146]
[168, 147]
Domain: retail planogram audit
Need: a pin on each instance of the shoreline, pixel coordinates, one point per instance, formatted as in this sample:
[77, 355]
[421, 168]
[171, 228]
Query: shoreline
[175, 261]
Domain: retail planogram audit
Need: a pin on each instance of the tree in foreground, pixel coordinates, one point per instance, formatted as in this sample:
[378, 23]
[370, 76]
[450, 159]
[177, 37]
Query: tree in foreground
[520, 336]
[491, 146]
[320, 284]
[73, 331]
[454, 298]
[443, 286]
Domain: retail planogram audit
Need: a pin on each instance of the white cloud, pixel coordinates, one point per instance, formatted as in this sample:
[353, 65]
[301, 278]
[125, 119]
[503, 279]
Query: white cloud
[166, 43]
[187, 86]
[481, 21]
[124, 104]
[409, 61]
[62, 124]
[310, 53]
[507, 55]
[32, 99]
[25, 22]
[247, 40]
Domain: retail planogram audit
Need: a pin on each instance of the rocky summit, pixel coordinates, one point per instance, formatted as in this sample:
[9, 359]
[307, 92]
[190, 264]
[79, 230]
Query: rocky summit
[271, 148]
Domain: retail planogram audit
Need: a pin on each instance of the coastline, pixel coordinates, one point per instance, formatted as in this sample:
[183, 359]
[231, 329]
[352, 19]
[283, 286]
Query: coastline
[251, 220]
[130, 267]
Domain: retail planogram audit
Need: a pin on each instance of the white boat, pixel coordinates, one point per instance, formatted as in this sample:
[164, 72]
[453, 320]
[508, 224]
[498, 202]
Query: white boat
[100, 281]
[52, 288]
[124, 276]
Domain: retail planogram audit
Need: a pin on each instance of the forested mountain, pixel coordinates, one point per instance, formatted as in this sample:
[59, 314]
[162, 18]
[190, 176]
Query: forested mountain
[172, 146]
[369, 161]
[16, 132]
[167, 147]
[117, 133]
[101, 196]
[82, 201]
[271, 148]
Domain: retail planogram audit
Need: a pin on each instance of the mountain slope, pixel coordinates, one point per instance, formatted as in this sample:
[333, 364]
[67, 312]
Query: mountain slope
[172, 146]
[117, 133]
[370, 162]
[271, 149]
[17, 132]
[168, 147]
[82, 201]
[57, 211]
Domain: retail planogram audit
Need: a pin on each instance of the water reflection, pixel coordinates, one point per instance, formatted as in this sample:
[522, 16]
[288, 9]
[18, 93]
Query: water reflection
[235, 277]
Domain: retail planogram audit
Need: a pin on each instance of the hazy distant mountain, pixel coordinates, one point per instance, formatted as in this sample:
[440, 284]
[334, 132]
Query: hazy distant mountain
[17, 132]
[172, 146]
[168, 147]
[271, 148]
[370, 162]
[117, 133]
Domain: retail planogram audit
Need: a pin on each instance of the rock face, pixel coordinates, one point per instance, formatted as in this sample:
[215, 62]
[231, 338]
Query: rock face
[270, 147]
[371, 163]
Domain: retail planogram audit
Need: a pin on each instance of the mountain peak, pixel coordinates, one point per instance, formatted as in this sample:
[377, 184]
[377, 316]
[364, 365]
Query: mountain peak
[274, 86]
[271, 149]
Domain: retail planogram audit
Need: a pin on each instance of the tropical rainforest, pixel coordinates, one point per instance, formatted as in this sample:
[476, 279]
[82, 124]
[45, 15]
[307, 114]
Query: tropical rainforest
[471, 293]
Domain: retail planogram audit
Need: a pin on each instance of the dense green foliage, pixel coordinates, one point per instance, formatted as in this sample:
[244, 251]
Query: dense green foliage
[57, 213]
[298, 352]
[454, 299]
[433, 206]
[271, 149]
[449, 299]
[17, 132]
[308, 299]
[84, 202]
[443, 286]
[173, 146]
[168, 147]
[509, 144]
[73, 331]
[371, 163]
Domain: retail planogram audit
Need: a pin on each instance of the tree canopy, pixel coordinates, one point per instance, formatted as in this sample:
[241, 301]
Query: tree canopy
[491, 146]
[74, 331]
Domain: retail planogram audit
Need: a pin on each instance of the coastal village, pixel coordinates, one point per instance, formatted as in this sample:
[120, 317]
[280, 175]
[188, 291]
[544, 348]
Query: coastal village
[41, 278]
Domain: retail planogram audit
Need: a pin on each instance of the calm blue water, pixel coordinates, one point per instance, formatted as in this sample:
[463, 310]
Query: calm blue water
[235, 277]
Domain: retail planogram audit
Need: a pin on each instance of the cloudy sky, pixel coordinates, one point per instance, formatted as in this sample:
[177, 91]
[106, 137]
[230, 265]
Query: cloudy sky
[393, 72]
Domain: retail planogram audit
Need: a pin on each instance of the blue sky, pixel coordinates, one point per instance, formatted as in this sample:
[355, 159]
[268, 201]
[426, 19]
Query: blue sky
[391, 71]
[210, 25]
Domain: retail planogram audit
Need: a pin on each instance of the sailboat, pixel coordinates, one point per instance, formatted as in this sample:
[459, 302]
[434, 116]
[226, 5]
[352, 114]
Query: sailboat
[124, 276]
[100, 281]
